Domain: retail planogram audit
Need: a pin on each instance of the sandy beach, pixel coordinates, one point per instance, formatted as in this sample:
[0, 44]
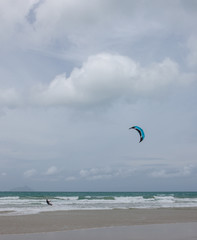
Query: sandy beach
[173, 231]
[107, 222]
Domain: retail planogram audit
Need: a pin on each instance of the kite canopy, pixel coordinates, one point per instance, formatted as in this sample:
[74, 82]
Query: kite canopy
[140, 131]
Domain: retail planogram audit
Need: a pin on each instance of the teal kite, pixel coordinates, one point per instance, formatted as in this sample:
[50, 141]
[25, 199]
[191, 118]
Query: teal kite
[140, 131]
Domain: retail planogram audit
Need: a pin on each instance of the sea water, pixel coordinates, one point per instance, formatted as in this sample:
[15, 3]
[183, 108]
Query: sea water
[17, 203]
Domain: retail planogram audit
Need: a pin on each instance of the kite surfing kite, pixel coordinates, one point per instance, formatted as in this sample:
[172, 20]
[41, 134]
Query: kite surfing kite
[140, 131]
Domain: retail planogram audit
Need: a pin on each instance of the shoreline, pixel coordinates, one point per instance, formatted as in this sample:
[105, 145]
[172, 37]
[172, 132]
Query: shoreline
[58, 221]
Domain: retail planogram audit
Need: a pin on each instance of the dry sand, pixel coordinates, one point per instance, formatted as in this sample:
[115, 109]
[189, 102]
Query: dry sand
[84, 219]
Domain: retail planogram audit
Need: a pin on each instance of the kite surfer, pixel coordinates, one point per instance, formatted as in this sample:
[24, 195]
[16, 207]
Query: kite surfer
[48, 202]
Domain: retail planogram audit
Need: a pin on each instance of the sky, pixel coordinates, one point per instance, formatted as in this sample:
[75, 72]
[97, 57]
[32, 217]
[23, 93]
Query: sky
[76, 75]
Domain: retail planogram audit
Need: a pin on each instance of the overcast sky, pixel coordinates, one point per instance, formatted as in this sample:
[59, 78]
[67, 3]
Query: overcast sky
[76, 74]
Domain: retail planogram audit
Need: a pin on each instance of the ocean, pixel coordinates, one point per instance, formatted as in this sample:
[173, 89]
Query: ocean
[20, 203]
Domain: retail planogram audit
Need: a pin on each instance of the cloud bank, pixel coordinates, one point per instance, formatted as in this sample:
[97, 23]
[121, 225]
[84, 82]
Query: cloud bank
[102, 79]
[136, 59]
[66, 28]
[106, 77]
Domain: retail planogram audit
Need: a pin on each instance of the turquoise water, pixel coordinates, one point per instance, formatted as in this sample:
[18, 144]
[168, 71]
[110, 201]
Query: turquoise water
[13, 203]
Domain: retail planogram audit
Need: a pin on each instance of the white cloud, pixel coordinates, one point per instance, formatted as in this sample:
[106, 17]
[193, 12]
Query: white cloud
[102, 79]
[13, 19]
[71, 178]
[30, 173]
[106, 173]
[126, 172]
[96, 173]
[168, 173]
[106, 77]
[39, 24]
[84, 173]
[9, 97]
[51, 171]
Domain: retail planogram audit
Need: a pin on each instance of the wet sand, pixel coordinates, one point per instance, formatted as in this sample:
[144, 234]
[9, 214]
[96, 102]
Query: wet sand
[55, 225]
[173, 231]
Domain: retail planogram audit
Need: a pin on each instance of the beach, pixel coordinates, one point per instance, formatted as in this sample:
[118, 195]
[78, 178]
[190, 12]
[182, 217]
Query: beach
[129, 222]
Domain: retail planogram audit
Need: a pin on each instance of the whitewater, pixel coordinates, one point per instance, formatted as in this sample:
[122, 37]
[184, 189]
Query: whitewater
[22, 203]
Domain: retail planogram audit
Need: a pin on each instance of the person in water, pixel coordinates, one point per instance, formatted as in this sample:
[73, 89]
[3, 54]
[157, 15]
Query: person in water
[49, 203]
